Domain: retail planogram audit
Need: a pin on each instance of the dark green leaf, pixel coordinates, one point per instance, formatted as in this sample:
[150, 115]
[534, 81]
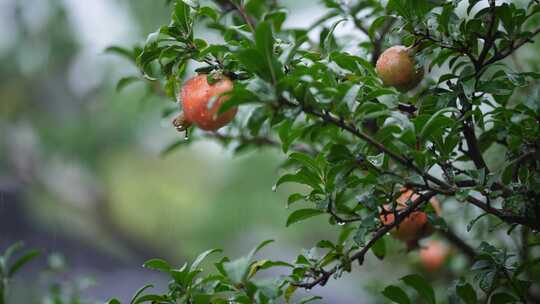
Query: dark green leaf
[21, 261]
[302, 214]
[396, 294]
[466, 293]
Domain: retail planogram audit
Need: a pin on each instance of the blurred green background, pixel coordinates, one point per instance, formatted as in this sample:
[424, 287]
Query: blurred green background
[81, 172]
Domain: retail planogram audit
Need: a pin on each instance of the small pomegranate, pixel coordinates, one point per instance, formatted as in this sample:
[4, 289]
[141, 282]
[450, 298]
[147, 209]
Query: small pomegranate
[433, 255]
[413, 227]
[396, 67]
[201, 102]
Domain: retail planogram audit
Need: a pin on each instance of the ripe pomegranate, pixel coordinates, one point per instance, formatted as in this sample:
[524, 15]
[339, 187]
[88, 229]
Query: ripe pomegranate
[201, 102]
[433, 255]
[396, 67]
[413, 227]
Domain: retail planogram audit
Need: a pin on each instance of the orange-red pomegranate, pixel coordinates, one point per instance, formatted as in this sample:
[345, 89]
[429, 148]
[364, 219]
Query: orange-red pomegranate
[201, 102]
[396, 67]
[433, 255]
[413, 227]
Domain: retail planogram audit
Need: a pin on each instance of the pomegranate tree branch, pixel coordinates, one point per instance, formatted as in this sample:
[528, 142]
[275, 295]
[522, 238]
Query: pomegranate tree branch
[249, 21]
[442, 186]
[359, 256]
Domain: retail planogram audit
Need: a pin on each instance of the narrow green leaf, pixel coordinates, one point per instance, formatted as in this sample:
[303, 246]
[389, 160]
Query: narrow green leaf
[21, 261]
[124, 82]
[396, 294]
[157, 264]
[379, 248]
[139, 292]
[302, 214]
[201, 258]
[264, 40]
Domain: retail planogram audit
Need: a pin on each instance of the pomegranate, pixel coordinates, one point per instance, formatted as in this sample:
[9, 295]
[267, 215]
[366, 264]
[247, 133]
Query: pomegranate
[414, 226]
[433, 255]
[396, 67]
[201, 102]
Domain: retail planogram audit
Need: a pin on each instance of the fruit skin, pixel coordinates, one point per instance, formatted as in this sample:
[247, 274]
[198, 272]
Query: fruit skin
[396, 67]
[413, 227]
[197, 93]
[433, 255]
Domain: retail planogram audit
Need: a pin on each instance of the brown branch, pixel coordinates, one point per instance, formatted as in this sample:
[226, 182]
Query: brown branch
[338, 218]
[514, 45]
[351, 128]
[250, 22]
[489, 39]
[473, 149]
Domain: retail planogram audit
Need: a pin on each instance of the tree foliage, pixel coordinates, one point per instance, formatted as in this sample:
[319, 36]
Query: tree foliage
[355, 143]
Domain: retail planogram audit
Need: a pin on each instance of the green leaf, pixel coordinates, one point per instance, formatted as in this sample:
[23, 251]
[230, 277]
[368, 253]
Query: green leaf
[208, 12]
[309, 299]
[259, 247]
[139, 292]
[237, 270]
[201, 258]
[124, 52]
[158, 264]
[303, 176]
[152, 298]
[238, 96]
[502, 298]
[289, 293]
[302, 214]
[295, 197]
[350, 97]
[376, 24]
[328, 40]
[264, 40]
[254, 62]
[437, 121]
[124, 82]
[11, 250]
[379, 248]
[305, 160]
[21, 261]
[287, 134]
[182, 17]
[114, 301]
[396, 294]
[421, 286]
[466, 293]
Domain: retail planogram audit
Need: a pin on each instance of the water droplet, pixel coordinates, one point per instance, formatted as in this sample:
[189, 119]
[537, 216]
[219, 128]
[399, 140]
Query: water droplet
[308, 289]
[274, 188]
[341, 223]
[186, 135]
